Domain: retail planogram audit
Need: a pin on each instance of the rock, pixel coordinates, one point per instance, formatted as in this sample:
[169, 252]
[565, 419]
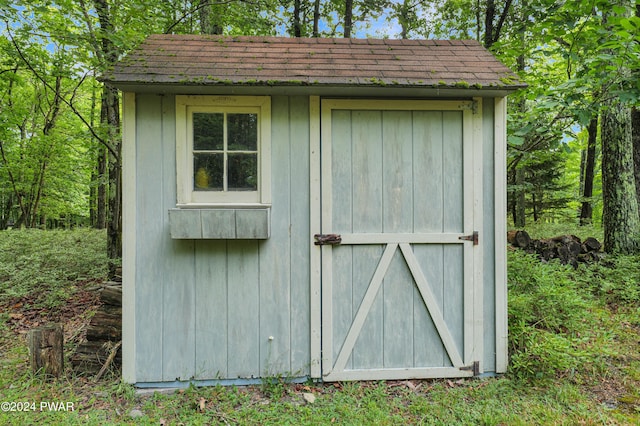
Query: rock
[309, 397]
[135, 413]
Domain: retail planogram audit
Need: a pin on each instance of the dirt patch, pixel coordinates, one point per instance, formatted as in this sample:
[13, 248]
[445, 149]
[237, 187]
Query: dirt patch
[24, 313]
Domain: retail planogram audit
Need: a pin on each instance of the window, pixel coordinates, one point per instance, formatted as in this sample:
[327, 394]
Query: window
[223, 150]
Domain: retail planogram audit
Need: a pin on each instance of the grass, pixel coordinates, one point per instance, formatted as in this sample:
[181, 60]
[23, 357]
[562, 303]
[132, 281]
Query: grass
[574, 339]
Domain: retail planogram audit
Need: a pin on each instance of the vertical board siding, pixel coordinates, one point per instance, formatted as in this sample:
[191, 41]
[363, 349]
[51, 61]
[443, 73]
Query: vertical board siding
[489, 228]
[212, 322]
[236, 309]
[152, 148]
[243, 309]
[178, 279]
[129, 237]
[205, 310]
[341, 159]
[428, 191]
[398, 211]
[367, 195]
[300, 234]
[178, 320]
[453, 190]
[178, 287]
[275, 274]
[396, 172]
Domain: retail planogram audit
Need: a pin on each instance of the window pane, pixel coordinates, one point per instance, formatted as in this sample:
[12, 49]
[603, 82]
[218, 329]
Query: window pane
[208, 131]
[208, 172]
[242, 132]
[243, 172]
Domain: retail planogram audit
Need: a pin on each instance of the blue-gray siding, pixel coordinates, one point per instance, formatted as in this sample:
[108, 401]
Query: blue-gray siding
[207, 309]
[215, 309]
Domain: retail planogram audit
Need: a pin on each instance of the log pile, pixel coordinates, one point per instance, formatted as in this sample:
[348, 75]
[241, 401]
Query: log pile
[104, 334]
[568, 249]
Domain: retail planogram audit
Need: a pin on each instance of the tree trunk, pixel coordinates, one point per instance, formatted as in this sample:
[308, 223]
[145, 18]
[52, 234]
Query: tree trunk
[99, 185]
[296, 25]
[110, 118]
[348, 18]
[489, 16]
[209, 19]
[635, 132]
[620, 211]
[635, 135]
[316, 18]
[101, 193]
[586, 212]
[403, 19]
[519, 200]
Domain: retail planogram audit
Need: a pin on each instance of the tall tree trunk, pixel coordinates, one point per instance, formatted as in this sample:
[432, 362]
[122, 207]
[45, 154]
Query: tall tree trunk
[489, 16]
[535, 202]
[635, 134]
[209, 18]
[348, 18]
[101, 193]
[620, 211]
[316, 18]
[110, 118]
[620, 215]
[519, 199]
[99, 178]
[296, 24]
[586, 211]
[403, 19]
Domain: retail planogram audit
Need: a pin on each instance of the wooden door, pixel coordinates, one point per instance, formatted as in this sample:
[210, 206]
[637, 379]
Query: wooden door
[399, 298]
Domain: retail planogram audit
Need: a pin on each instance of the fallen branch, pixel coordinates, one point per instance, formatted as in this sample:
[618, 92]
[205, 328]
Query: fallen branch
[110, 358]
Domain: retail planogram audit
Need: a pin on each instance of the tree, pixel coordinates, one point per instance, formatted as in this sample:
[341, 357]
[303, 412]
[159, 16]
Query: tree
[588, 173]
[621, 217]
[40, 140]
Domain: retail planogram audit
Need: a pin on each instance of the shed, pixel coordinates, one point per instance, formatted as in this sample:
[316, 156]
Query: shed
[323, 208]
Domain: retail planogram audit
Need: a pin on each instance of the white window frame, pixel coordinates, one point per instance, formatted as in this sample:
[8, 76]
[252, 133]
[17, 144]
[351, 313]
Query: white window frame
[186, 105]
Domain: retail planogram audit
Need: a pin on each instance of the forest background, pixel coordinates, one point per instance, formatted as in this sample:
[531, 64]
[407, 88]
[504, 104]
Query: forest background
[574, 133]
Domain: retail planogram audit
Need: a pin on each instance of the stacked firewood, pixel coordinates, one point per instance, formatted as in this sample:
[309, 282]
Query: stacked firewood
[568, 249]
[104, 334]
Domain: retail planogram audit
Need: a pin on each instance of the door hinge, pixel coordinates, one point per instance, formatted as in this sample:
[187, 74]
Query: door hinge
[473, 237]
[475, 367]
[327, 239]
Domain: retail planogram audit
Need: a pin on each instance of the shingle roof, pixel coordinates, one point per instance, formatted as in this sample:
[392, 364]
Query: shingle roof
[279, 61]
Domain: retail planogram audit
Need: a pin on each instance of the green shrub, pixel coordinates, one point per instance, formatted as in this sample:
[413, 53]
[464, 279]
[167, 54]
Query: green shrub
[545, 296]
[615, 281]
[552, 319]
[49, 264]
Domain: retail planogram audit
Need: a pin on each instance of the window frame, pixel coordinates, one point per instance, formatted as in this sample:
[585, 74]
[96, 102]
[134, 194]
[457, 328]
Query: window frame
[186, 105]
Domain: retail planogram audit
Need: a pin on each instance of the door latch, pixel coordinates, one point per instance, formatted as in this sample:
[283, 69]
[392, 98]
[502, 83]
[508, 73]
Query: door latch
[473, 237]
[327, 239]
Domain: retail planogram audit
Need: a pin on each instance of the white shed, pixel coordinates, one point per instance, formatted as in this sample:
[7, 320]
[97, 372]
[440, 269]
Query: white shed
[324, 208]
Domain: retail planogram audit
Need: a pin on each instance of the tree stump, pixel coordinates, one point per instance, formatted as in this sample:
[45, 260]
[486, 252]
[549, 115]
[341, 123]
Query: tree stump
[46, 350]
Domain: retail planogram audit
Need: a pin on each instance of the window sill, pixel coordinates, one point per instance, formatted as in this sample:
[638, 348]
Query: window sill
[250, 222]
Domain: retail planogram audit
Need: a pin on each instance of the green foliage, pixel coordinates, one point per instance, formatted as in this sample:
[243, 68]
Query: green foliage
[568, 330]
[615, 281]
[45, 265]
[559, 325]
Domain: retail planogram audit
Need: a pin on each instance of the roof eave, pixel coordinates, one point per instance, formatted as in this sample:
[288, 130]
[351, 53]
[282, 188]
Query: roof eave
[373, 88]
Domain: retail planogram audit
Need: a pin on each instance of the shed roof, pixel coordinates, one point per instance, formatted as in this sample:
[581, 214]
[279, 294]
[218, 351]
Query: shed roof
[190, 60]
